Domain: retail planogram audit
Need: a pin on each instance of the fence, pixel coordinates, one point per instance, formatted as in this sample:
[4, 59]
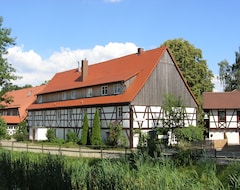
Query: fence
[81, 151]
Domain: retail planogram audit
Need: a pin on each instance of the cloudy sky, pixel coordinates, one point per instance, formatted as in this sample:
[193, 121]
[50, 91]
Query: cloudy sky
[53, 35]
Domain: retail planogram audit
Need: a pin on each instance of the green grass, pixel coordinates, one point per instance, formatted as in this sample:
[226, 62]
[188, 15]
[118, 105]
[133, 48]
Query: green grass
[27, 170]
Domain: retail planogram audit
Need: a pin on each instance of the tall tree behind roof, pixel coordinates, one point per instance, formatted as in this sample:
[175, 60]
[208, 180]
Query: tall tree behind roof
[7, 72]
[193, 67]
[230, 74]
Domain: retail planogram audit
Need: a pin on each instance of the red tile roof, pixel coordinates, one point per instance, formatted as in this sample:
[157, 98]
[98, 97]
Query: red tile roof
[221, 100]
[115, 70]
[21, 99]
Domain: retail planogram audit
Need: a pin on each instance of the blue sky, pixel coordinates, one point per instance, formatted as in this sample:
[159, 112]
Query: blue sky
[53, 34]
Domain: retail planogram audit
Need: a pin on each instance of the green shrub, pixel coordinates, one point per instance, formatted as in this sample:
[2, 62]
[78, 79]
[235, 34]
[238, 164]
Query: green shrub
[116, 136]
[190, 133]
[72, 137]
[21, 133]
[51, 135]
[3, 129]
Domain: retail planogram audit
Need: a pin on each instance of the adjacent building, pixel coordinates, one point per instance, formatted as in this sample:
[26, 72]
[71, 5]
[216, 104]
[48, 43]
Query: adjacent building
[223, 115]
[129, 89]
[15, 112]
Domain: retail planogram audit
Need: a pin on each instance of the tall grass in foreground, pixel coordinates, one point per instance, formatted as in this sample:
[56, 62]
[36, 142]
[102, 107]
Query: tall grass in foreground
[39, 171]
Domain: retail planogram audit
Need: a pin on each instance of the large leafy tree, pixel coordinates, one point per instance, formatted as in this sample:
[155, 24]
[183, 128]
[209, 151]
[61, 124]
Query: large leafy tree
[192, 65]
[7, 72]
[230, 74]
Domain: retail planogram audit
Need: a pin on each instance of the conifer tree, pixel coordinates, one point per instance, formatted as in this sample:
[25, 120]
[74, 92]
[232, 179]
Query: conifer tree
[96, 138]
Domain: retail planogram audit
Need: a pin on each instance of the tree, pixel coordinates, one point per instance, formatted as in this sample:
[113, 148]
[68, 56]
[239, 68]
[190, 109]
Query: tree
[193, 67]
[174, 112]
[84, 136]
[3, 129]
[21, 133]
[230, 74]
[116, 136]
[6, 69]
[96, 138]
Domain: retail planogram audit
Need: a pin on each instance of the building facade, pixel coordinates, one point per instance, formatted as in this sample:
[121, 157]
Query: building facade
[128, 89]
[223, 115]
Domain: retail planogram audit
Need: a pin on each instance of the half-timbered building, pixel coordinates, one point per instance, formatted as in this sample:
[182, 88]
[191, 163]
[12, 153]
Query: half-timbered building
[223, 115]
[129, 89]
[14, 111]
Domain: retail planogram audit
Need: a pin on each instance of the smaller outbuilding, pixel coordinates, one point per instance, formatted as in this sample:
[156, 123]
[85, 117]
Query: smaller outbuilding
[223, 115]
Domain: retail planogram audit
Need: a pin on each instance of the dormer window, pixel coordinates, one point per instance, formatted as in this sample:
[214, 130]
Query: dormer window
[104, 90]
[64, 95]
[73, 94]
[89, 92]
[39, 99]
[117, 89]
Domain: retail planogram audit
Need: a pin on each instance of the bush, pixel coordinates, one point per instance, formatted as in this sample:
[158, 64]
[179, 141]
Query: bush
[190, 133]
[72, 137]
[116, 136]
[21, 133]
[51, 135]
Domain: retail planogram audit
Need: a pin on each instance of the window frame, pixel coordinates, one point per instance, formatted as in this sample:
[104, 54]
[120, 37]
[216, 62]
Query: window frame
[117, 89]
[221, 118]
[104, 90]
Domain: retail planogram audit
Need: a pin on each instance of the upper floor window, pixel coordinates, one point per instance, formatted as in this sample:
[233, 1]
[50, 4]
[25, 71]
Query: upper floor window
[39, 99]
[104, 90]
[89, 92]
[117, 89]
[64, 95]
[73, 94]
[221, 116]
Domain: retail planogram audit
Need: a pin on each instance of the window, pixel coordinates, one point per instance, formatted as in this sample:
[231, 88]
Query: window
[39, 99]
[58, 114]
[104, 90]
[64, 95]
[238, 116]
[117, 89]
[221, 116]
[73, 94]
[119, 112]
[89, 92]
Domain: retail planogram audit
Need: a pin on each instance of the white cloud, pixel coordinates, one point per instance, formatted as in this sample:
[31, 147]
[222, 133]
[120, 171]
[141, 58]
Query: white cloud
[35, 70]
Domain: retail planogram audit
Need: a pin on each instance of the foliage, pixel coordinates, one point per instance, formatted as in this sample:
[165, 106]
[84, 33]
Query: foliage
[96, 138]
[116, 136]
[174, 111]
[3, 129]
[230, 74]
[21, 170]
[84, 135]
[6, 69]
[190, 133]
[51, 135]
[72, 136]
[193, 67]
[21, 133]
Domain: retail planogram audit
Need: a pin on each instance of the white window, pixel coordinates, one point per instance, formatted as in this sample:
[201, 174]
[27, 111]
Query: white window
[119, 112]
[39, 99]
[117, 89]
[89, 92]
[64, 95]
[104, 90]
[73, 94]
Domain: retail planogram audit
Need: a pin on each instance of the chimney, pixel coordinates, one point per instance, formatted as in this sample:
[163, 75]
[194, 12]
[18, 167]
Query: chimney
[84, 69]
[140, 50]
